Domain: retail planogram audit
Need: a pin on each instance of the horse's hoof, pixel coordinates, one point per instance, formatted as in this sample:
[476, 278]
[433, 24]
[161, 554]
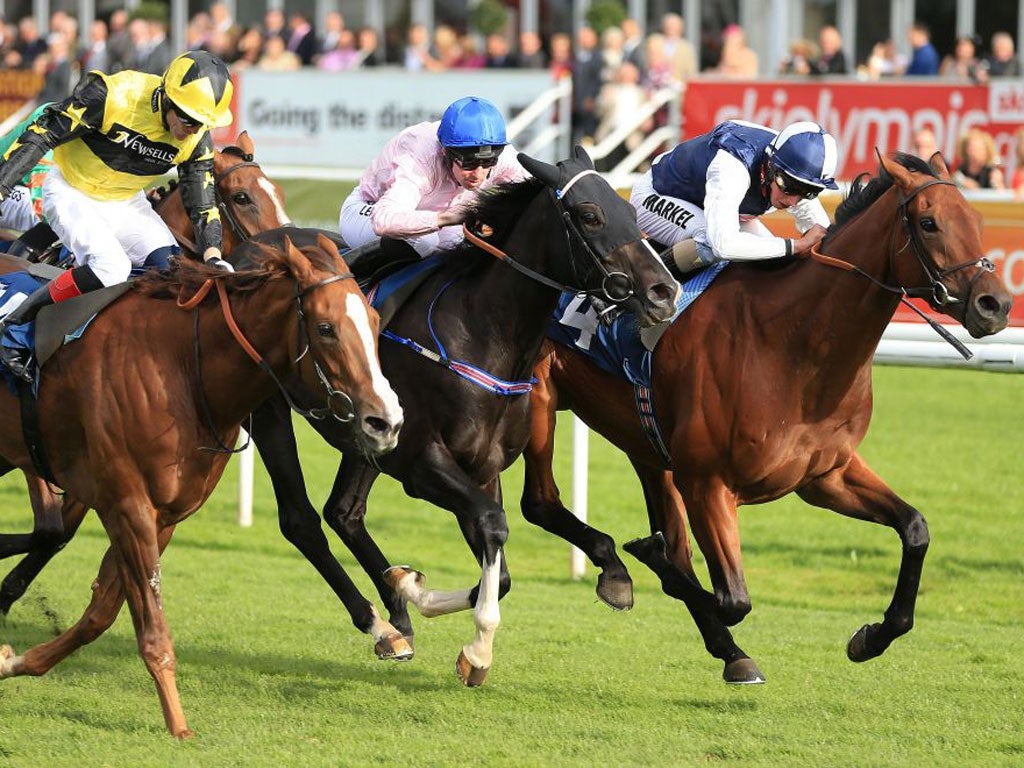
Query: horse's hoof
[7, 658]
[617, 594]
[647, 549]
[394, 647]
[857, 649]
[394, 575]
[472, 677]
[187, 733]
[742, 672]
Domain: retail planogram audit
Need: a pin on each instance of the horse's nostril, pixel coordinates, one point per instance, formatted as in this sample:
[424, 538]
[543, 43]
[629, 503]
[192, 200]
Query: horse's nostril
[662, 293]
[987, 304]
[376, 426]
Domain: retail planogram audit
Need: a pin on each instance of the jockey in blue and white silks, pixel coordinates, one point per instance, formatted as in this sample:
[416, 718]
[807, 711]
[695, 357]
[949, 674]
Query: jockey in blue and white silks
[703, 198]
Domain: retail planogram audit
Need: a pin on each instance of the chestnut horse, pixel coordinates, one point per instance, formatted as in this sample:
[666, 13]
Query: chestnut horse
[175, 367]
[762, 388]
[481, 316]
[249, 203]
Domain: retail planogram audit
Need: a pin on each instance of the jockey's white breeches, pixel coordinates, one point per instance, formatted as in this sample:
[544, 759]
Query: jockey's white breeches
[356, 228]
[16, 212]
[110, 236]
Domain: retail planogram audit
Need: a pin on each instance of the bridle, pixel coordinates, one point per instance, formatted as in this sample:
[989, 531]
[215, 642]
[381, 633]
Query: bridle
[226, 210]
[303, 346]
[935, 292]
[616, 287]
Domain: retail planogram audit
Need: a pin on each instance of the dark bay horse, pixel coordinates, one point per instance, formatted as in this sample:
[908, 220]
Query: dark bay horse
[249, 203]
[129, 412]
[763, 388]
[483, 314]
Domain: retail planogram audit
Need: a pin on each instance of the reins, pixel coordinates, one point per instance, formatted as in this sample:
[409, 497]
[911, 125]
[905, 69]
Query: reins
[302, 348]
[936, 292]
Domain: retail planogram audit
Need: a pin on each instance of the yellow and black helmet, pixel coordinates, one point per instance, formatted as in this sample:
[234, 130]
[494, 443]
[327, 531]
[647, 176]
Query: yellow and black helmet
[198, 84]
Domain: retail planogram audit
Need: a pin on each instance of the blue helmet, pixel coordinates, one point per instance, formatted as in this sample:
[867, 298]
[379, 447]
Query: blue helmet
[806, 153]
[472, 126]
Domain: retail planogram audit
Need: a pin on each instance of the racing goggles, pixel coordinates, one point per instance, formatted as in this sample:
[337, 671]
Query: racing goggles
[791, 186]
[472, 162]
[186, 119]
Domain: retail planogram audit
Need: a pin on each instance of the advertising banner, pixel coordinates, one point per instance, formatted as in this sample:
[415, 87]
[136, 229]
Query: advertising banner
[864, 117]
[343, 119]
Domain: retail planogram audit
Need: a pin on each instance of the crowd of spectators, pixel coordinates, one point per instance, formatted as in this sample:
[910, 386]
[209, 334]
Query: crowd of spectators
[614, 73]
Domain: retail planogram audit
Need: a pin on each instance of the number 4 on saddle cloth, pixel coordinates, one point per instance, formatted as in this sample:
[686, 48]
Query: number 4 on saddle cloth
[619, 348]
[56, 324]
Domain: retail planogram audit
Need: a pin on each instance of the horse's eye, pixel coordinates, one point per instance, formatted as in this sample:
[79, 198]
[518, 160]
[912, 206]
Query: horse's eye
[325, 330]
[590, 219]
[928, 224]
[242, 198]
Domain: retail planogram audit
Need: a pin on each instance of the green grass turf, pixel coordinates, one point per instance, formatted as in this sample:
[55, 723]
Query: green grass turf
[272, 673]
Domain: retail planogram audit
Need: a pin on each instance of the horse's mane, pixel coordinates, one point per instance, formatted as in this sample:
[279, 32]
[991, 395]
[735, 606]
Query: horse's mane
[865, 190]
[157, 194]
[499, 208]
[187, 276]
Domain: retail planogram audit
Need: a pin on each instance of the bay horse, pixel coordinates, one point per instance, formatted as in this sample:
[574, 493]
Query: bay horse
[481, 316]
[249, 203]
[137, 423]
[763, 388]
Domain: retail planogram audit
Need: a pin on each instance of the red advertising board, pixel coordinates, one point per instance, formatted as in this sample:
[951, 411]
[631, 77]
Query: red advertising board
[863, 116]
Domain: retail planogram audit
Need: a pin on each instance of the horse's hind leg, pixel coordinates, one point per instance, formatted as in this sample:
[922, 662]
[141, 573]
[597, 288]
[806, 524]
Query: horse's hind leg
[300, 523]
[47, 525]
[541, 502]
[856, 491]
[40, 553]
[107, 597]
[345, 512]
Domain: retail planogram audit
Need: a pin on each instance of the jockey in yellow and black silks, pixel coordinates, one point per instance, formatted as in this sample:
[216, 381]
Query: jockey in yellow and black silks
[114, 136]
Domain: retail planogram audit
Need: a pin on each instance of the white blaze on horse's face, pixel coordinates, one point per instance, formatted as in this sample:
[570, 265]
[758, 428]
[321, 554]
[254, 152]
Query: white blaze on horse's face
[282, 217]
[355, 309]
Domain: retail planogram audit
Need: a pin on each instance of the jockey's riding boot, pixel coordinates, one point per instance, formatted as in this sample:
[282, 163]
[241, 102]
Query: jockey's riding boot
[17, 359]
[33, 242]
[682, 258]
[72, 283]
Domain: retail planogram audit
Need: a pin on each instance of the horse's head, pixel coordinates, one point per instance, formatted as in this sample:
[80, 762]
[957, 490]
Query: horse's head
[341, 328]
[608, 255]
[943, 232]
[249, 202]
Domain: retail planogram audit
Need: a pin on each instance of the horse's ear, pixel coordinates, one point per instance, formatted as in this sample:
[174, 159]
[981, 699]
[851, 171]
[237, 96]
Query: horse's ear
[324, 243]
[898, 173]
[938, 164]
[245, 143]
[581, 156]
[549, 174]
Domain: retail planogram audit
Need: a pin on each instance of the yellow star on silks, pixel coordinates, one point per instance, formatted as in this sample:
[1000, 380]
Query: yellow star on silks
[212, 214]
[11, 149]
[207, 156]
[77, 115]
[207, 180]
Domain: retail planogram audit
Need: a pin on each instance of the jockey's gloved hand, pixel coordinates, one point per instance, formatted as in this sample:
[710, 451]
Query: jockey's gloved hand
[220, 264]
[212, 257]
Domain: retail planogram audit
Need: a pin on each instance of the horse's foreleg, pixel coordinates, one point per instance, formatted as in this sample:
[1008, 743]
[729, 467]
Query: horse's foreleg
[855, 491]
[137, 546]
[300, 523]
[541, 502]
[345, 512]
[712, 514]
[682, 584]
[39, 554]
[437, 478]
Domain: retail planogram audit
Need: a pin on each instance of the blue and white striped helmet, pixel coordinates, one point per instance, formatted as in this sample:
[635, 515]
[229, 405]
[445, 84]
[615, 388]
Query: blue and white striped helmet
[808, 153]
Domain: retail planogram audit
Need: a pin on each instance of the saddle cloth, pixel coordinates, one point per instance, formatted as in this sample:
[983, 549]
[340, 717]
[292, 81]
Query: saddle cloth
[389, 294]
[621, 348]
